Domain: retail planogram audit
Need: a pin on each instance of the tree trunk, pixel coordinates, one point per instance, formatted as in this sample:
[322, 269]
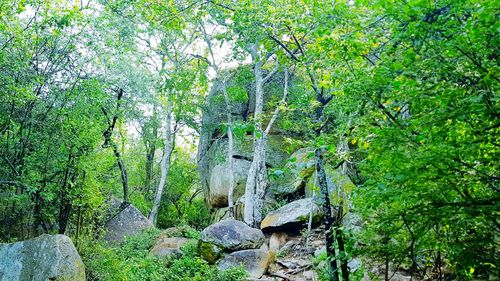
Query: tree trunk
[230, 137]
[123, 170]
[150, 135]
[339, 235]
[150, 153]
[260, 183]
[255, 168]
[257, 177]
[230, 149]
[327, 210]
[165, 165]
[108, 140]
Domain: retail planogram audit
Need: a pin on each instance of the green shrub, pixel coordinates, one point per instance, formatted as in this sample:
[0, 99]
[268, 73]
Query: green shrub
[131, 261]
[320, 264]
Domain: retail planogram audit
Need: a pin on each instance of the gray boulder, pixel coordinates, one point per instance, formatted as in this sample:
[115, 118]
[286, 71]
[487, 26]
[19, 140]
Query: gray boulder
[294, 215]
[231, 235]
[47, 257]
[219, 182]
[215, 177]
[128, 222]
[255, 262]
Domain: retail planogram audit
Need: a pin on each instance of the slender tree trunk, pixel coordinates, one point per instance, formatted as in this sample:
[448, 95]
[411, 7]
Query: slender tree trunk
[230, 137]
[249, 195]
[165, 165]
[257, 177]
[123, 170]
[230, 149]
[150, 135]
[108, 140]
[261, 182]
[327, 210]
[37, 214]
[339, 235]
[149, 168]
[255, 169]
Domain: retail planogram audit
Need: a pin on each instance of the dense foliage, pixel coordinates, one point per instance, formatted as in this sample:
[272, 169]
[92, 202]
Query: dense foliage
[131, 261]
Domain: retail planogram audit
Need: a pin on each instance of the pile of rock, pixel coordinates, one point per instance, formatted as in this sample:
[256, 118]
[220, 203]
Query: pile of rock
[235, 244]
[231, 243]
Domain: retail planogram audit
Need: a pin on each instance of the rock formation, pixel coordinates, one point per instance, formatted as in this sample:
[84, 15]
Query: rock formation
[129, 221]
[47, 257]
[212, 148]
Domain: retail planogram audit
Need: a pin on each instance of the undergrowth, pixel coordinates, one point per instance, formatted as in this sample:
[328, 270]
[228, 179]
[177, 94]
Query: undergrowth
[131, 261]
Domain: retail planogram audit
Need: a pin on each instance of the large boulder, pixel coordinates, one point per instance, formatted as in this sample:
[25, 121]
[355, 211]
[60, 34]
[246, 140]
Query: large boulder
[255, 262]
[215, 176]
[294, 216]
[232, 235]
[47, 257]
[219, 182]
[128, 222]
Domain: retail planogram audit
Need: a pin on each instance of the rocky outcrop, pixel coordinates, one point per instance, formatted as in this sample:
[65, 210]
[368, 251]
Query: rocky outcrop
[231, 235]
[212, 148]
[293, 215]
[339, 186]
[299, 167]
[128, 222]
[216, 177]
[48, 257]
[255, 261]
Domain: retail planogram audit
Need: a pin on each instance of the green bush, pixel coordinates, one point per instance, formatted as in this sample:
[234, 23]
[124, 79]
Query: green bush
[131, 261]
[321, 267]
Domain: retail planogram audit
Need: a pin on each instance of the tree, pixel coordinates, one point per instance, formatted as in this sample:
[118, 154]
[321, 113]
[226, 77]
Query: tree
[212, 61]
[167, 43]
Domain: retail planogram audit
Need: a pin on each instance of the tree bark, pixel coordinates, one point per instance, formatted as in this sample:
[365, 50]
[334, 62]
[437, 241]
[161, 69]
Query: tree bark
[339, 235]
[165, 165]
[108, 140]
[255, 168]
[230, 149]
[123, 171]
[327, 210]
[257, 176]
[150, 135]
[230, 137]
